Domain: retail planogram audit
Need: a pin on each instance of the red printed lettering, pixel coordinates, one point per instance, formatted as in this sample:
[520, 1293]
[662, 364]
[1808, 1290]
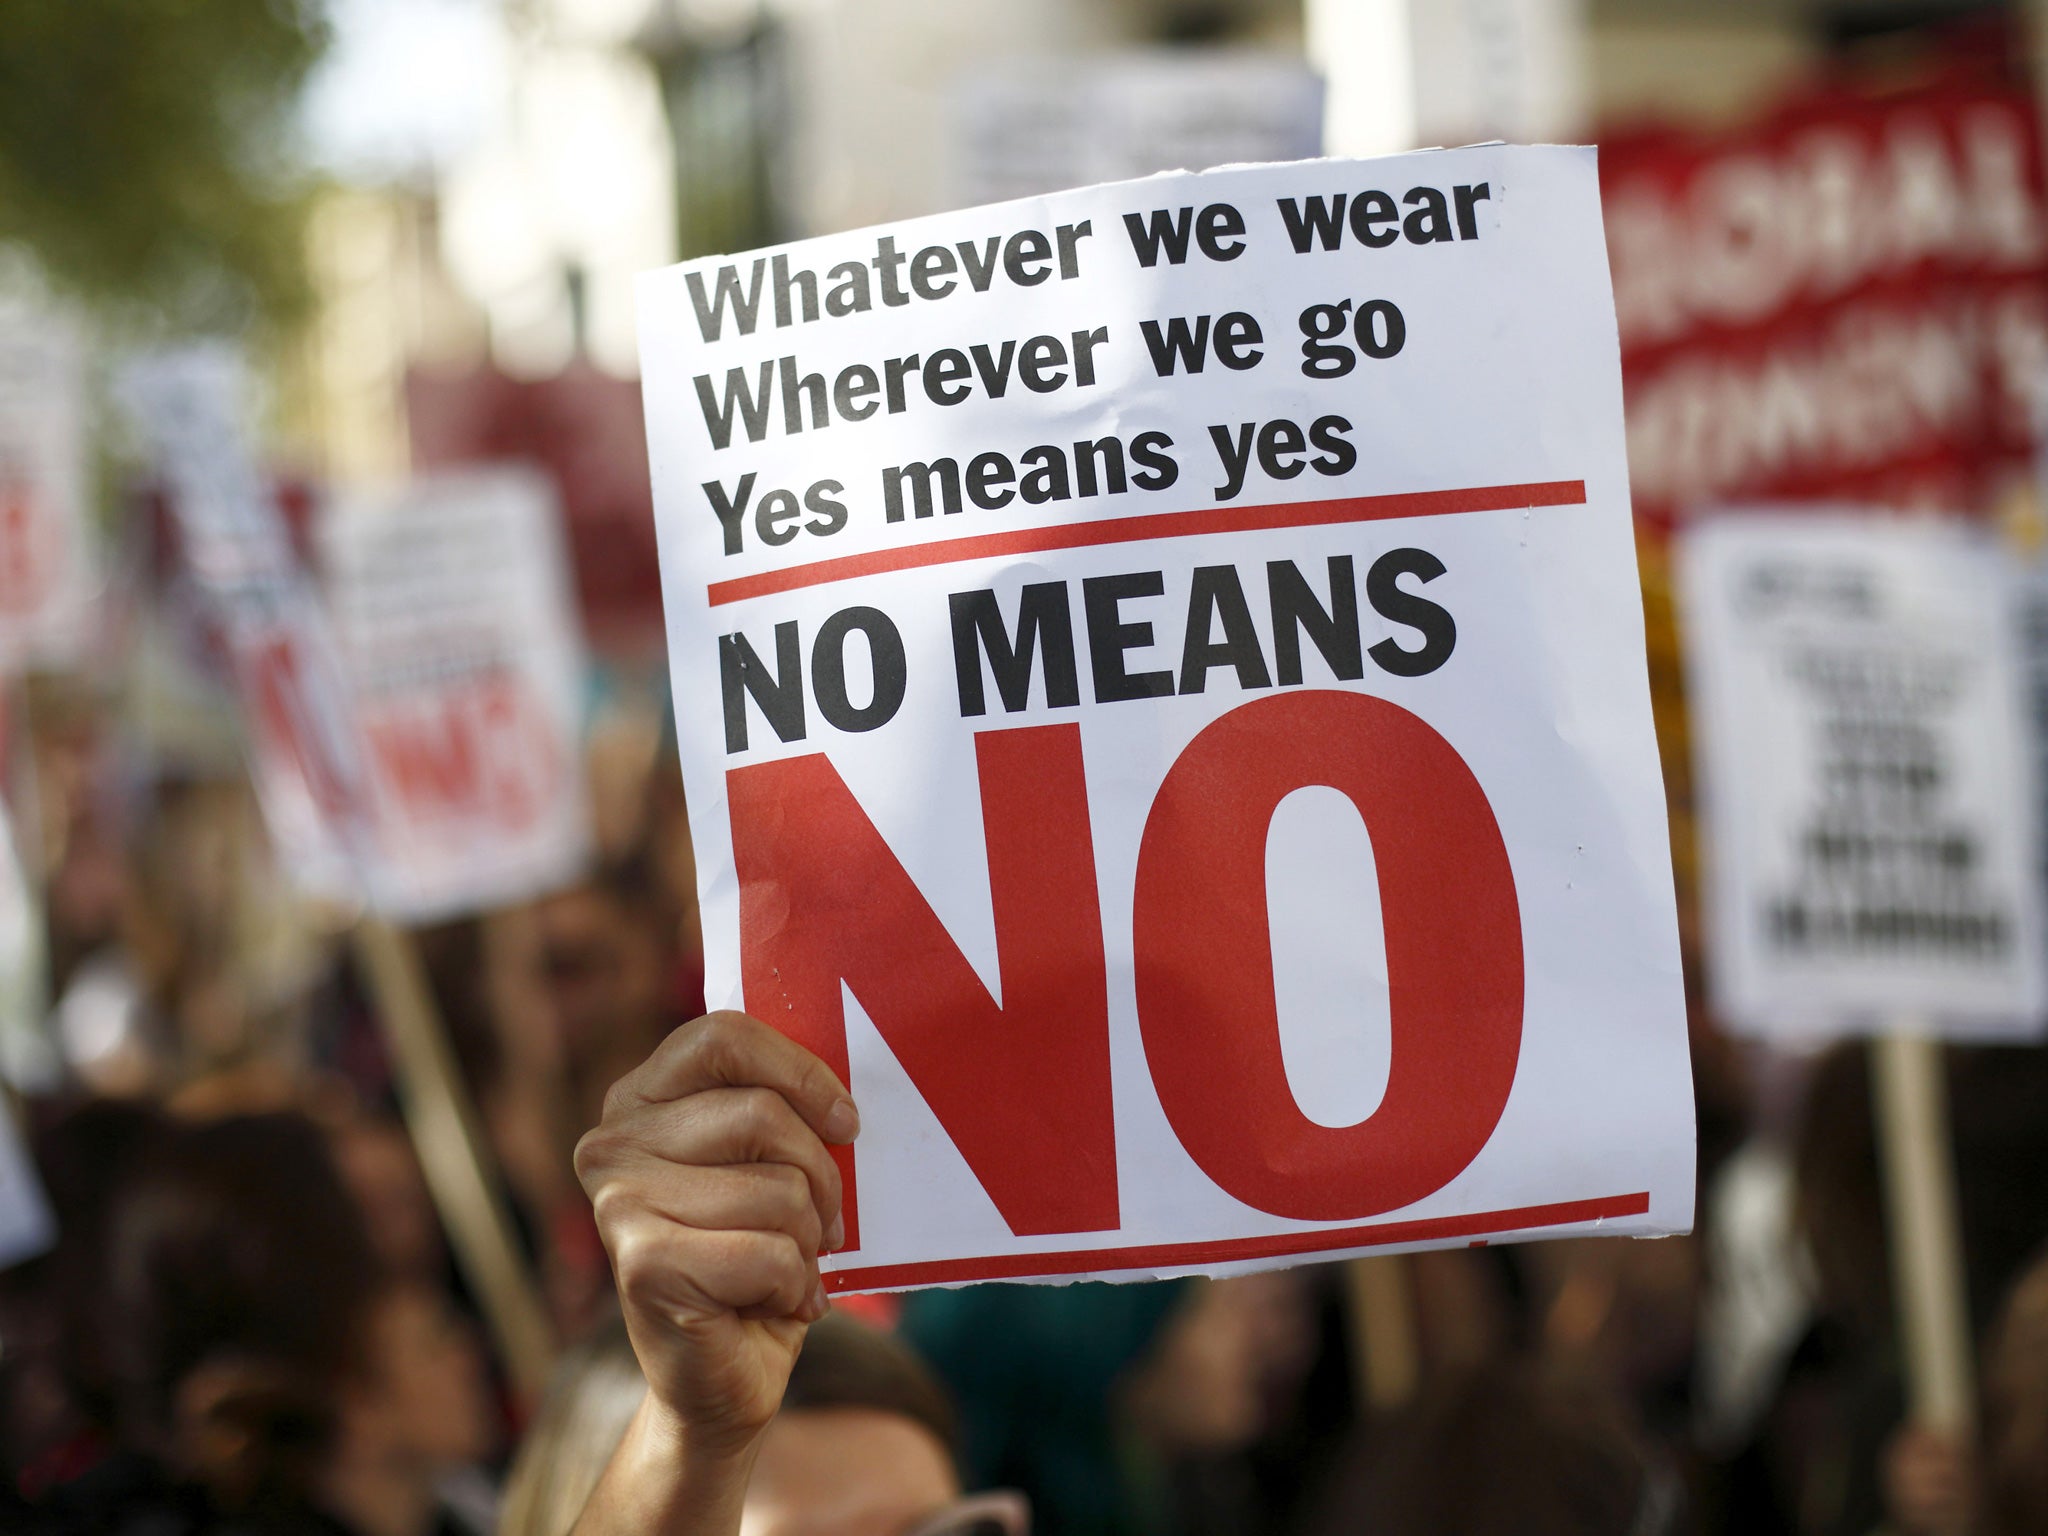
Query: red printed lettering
[1022, 1088]
[1204, 956]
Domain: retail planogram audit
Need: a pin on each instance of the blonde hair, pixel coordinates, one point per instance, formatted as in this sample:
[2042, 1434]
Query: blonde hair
[592, 1397]
[597, 1388]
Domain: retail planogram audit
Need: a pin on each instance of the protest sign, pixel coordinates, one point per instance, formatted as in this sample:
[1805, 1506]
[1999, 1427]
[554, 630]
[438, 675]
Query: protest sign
[49, 565]
[1159, 678]
[190, 406]
[1048, 124]
[1844, 299]
[413, 730]
[1860, 742]
[582, 428]
[2031, 595]
[464, 668]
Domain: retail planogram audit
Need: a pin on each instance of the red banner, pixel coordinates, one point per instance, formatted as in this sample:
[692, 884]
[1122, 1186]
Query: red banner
[1847, 300]
[584, 430]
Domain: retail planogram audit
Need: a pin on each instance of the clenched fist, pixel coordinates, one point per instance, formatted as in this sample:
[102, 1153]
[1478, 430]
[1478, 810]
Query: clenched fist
[715, 1194]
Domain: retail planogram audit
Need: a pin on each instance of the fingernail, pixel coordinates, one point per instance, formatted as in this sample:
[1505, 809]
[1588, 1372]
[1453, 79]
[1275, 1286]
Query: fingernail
[816, 1305]
[835, 1235]
[842, 1122]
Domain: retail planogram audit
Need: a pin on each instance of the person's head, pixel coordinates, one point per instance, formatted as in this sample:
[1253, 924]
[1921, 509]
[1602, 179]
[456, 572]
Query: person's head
[2016, 1411]
[1515, 1448]
[605, 950]
[418, 1400]
[1222, 1363]
[863, 1445]
[87, 1158]
[235, 1305]
[382, 1171]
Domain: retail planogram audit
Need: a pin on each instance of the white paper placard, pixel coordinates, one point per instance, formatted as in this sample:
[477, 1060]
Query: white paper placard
[50, 579]
[1044, 125]
[27, 1226]
[1871, 838]
[464, 662]
[29, 1062]
[1160, 683]
[190, 405]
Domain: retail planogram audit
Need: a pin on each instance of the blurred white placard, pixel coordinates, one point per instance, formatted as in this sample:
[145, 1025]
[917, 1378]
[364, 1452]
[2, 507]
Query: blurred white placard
[49, 566]
[1865, 776]
[27, 1227]
[28, 1059]
[1046, 125]
[191, 407]
[1405, 73]
[463, 658]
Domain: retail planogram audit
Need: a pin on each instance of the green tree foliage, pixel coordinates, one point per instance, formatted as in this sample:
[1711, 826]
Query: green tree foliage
[144, 151]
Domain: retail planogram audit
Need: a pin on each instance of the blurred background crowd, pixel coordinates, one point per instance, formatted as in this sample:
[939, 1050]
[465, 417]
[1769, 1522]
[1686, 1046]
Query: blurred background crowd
[418, 221]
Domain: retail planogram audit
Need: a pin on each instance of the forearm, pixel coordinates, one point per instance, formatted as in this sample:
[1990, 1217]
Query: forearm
[659, 1484]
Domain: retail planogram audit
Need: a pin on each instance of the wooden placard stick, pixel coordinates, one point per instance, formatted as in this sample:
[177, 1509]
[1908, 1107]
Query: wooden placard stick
[1911, 1088]
[1386, 1357]
[457, 1161]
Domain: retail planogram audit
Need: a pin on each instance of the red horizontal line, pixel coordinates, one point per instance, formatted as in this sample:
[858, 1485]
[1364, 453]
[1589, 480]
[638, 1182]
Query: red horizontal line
[1155, 525]
[1025, 1266]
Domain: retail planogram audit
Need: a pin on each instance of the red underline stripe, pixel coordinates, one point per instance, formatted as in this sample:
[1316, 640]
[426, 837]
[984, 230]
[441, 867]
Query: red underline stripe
[1155, 525]
[1025, 1266]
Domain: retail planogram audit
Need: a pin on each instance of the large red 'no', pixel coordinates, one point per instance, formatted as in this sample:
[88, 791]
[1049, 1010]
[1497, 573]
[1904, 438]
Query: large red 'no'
[1024, 1088]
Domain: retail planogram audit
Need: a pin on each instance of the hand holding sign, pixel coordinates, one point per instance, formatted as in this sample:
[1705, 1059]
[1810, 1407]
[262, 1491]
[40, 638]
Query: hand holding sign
[715, 1193]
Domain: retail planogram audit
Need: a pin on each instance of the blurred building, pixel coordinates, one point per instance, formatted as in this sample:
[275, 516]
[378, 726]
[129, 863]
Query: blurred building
[624, 134]
[480, 304]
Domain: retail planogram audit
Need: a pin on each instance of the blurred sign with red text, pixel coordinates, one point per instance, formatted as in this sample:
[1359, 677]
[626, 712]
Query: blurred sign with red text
[49, 567]
[458, 639]
[1847, 300]
[583, 429]
[413, 733]
[189, 406]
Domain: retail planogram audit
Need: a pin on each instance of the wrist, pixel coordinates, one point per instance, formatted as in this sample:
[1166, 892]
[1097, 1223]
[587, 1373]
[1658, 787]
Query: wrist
[661, 1432]
[670, 1476]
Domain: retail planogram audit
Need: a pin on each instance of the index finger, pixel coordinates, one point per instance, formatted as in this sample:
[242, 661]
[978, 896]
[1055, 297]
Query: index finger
[731, 1050]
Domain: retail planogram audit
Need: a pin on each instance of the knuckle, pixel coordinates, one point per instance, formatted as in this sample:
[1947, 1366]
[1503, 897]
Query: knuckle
[792, 1190]
[594, 1155]
[643, 1288]
[760, 1115]
[795, 1210]
[637, 1259]
[832, 1196]
[614, 1102]
[791, 1271]
[819, 1080]
[750, 1268]
[615, 1210]
[720, 1042]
